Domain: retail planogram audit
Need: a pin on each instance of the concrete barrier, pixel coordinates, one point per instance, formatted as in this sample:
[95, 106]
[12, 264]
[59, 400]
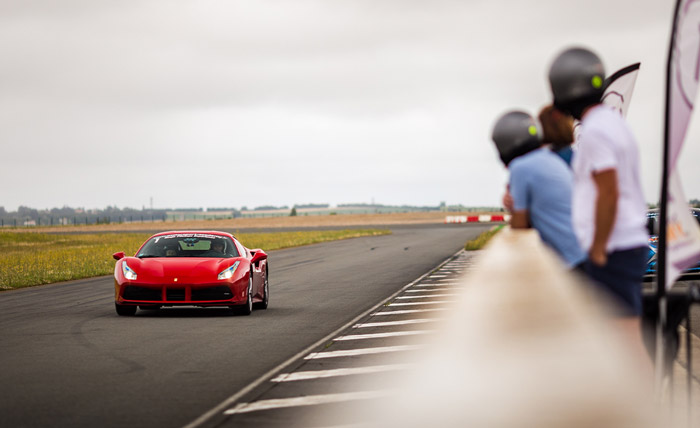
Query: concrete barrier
[528, 345]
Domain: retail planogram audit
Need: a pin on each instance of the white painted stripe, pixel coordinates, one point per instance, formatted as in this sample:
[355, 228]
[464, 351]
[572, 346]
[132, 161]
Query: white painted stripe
[382, 335]
[319, 374]
[436, 302]
[406, 311]
[309, 400]
[216, 410]
[390, 323]
[437, 284]
[431, 290]
[426, 296]
[364, 351]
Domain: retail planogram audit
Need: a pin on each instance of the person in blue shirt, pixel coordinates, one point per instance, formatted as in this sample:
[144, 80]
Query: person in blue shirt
[540, 185]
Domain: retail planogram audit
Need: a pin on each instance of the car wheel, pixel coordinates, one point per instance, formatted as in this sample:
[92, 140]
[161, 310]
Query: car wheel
[247, 307]
[266, 294]
[125, 310]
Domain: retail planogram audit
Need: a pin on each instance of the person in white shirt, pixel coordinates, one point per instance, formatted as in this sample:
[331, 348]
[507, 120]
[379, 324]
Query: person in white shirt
[608, 208]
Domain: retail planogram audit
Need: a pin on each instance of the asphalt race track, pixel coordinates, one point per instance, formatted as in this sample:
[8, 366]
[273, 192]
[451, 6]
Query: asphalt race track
[67, 359]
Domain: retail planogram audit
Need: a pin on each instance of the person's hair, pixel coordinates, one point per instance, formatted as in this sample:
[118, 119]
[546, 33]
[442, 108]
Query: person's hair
[557, 127]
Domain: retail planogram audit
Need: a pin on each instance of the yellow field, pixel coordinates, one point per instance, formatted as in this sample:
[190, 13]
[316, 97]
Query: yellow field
[28, 259]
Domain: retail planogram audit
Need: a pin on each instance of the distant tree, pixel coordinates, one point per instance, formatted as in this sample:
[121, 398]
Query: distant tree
[266, 208]
[25, 212]
[695, 203]
[293, 213]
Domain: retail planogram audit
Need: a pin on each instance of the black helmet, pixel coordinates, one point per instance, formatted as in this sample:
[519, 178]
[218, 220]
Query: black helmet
[576, 77]
[515, 133]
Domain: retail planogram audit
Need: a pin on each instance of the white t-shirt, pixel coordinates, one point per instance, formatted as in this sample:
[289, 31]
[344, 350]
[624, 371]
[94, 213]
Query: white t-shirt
[607, 143]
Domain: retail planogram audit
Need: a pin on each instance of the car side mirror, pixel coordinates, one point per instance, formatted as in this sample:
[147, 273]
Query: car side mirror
[258, 255]
[118, 256]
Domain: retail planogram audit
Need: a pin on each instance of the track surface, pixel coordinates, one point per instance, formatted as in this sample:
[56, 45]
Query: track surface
[69, 361]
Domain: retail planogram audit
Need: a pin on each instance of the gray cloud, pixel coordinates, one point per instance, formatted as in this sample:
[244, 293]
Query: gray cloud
[298, 100]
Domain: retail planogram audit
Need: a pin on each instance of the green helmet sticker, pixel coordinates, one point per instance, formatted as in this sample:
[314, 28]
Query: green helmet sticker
[597, 82]
[532, 130]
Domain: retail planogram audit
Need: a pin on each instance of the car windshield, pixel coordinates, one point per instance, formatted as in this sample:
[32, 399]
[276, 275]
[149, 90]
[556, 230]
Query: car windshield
[189, 245]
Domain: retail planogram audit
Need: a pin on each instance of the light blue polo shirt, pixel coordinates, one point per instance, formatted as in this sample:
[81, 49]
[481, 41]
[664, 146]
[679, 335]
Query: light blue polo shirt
[541, 183]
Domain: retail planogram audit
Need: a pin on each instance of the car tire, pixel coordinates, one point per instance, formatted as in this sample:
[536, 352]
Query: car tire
[266, 294]
[247, 307]
[125, 310]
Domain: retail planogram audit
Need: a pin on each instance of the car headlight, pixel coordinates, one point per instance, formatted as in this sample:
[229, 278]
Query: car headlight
[128, 272]
[228, 272]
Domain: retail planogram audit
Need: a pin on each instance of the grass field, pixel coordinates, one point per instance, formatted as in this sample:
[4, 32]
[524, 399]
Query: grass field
[28, 259]
[481, 240]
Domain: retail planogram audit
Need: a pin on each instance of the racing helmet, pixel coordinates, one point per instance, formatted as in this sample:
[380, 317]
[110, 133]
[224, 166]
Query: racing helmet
[515, 133]
[576, 77]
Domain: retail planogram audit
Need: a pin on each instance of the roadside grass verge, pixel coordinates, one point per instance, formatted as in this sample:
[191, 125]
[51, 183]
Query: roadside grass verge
[28, 259]
[481, 240]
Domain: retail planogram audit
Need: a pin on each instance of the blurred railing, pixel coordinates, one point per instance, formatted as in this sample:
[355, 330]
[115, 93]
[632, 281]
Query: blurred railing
[529, 345]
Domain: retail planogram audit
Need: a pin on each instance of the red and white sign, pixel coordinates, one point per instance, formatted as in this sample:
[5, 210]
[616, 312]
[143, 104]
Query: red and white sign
[484, 218]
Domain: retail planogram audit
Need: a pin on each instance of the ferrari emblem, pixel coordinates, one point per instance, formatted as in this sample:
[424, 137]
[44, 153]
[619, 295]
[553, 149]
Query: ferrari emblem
[175, 280]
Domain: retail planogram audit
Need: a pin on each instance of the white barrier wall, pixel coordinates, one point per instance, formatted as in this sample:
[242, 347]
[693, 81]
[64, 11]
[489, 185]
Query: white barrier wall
[527, 346]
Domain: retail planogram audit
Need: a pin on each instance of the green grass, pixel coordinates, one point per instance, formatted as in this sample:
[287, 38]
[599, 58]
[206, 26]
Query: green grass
[28, 259]
[481, 240]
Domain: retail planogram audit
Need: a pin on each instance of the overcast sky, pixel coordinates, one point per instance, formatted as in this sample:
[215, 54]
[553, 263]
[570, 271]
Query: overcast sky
[232, 103]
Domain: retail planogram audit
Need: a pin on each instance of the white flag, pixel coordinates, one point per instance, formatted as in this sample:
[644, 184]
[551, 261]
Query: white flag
[682, 231]
[618, 92]
[619, 87]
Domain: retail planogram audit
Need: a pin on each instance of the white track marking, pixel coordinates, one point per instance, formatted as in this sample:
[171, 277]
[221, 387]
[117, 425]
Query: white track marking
[211, 413]
[427, 296]
[406, 311]
[382, 335]
[309, 400]
[319, 374]
[431, 290]
[391, 323]
[436, 302]
[364, 351]
[437, 284]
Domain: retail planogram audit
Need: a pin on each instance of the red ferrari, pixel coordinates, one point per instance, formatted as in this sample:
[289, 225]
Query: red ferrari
[191, 268]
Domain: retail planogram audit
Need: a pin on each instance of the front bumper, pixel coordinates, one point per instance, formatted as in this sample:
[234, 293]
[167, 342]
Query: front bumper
[180, 294]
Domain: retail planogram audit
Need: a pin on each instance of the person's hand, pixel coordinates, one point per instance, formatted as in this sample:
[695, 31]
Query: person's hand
[508, 201]
[598, 256]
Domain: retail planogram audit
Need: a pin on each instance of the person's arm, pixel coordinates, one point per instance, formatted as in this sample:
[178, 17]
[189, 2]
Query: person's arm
[605, 210]
[508, 201]
[519, 220]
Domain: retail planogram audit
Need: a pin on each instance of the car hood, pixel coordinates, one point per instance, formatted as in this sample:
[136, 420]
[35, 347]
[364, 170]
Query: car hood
[190, 269]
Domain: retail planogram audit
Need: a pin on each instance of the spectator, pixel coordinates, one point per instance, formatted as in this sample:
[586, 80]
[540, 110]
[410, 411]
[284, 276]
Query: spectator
[608, 203]
[558, 132]
[539, 185]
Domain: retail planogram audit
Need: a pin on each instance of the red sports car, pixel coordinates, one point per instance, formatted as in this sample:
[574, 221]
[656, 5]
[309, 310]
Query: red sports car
[191, 268]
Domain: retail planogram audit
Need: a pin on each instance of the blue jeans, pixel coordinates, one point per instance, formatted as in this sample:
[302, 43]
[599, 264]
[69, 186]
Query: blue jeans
[621, 278]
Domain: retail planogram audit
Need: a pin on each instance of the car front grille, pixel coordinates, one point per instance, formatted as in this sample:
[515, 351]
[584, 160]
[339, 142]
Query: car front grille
[134, 292]
[221, 292]
[178, 294]
[175, 294]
